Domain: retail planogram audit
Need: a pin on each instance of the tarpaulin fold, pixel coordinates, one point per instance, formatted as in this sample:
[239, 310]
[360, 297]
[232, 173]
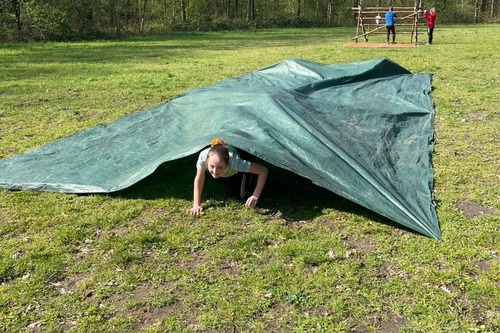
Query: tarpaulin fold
[362, 130]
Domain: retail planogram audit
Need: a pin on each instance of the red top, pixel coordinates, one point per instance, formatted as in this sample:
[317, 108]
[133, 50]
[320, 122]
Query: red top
[431, 17]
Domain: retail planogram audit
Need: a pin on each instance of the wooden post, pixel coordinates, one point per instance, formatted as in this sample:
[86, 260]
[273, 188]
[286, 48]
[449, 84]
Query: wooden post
[411, 16]
[414, 29]
[357, 23]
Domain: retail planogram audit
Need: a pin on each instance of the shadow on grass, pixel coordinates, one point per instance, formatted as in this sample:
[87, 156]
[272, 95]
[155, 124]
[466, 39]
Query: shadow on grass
[166, 46]
[295, 197]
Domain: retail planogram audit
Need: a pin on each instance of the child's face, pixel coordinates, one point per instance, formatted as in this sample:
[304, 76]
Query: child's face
[216, 166]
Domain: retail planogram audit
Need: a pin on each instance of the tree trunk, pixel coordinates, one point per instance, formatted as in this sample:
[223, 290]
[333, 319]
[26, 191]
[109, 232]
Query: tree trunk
[17, 10]
[143, 16]
[183, 11]
[492, 9]
[251, 11]
[476, 11]
[329, 12]
[113, 17]
[298, 8]
[227, 8]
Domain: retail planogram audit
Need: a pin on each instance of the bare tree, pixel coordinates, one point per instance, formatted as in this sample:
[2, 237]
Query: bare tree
[236, 8]
[113, 16]
[251, 11]
[476, 10]
[143, 16]
[183, 11]
[17, 10]
[329, 11]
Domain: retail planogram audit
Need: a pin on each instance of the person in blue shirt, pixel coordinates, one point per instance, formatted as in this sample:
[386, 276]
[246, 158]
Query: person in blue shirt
[390, 20]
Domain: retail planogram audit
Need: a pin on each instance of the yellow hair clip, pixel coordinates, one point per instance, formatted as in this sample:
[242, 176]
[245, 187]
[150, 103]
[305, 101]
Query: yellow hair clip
[217, 141]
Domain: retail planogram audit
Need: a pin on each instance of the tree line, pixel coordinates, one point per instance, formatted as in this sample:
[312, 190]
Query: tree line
[90, 19]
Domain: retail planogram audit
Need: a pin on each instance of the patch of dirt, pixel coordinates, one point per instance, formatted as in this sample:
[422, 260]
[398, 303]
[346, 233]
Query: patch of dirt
[148, 215]
[331, 225]
[274, 320]
[477, 116]
[74, 281]
[362, 245]
[483, 265]
[3, 217]
[387, 272]
[144, 314]
[118, 231]
[231, 267]
[196, 260]
[380, 45]
[148, 316]
[457, 103]
[442, 265]
[398, 232]
[392, 324]
[472, 209]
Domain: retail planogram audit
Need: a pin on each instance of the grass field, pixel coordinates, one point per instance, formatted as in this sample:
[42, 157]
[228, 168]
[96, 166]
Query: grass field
[305, 261]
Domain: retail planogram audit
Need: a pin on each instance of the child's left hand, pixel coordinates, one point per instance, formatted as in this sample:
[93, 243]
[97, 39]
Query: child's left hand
[252, 201]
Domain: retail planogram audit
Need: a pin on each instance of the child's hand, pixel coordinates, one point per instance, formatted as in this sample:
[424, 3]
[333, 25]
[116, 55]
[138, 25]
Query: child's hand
[252, 201]
[196, 210]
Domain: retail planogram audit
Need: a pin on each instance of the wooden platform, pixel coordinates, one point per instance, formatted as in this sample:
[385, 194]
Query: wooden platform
[364, 44]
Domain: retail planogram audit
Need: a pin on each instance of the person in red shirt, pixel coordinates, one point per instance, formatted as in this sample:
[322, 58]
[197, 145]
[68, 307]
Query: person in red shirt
[431, 18]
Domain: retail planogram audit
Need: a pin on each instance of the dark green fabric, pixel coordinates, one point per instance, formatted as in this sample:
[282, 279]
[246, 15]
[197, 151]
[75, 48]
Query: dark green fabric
[362, 130]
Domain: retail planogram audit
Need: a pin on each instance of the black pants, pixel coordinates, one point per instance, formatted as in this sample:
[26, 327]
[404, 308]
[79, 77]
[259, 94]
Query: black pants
[391, 28]
[430, 31]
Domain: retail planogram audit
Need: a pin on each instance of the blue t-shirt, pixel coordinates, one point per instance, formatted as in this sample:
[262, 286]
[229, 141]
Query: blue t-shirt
[389, 18]
[236, 164]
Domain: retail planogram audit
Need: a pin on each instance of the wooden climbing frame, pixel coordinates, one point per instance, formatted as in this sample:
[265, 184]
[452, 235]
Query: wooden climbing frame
[371, 21]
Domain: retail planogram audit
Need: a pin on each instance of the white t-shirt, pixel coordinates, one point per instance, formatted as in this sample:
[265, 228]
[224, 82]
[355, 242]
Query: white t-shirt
[236, 164]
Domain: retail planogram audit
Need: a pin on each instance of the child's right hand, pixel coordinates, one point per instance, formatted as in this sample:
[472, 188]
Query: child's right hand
[196, 210]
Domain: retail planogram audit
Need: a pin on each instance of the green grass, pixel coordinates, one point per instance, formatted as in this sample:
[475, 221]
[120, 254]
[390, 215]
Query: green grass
[305, 261]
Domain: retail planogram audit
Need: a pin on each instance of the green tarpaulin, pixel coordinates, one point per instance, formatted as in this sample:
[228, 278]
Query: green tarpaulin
[362, 130]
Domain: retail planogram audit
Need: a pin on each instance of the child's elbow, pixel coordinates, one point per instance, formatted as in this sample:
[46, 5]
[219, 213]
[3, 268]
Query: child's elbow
[264, 171]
